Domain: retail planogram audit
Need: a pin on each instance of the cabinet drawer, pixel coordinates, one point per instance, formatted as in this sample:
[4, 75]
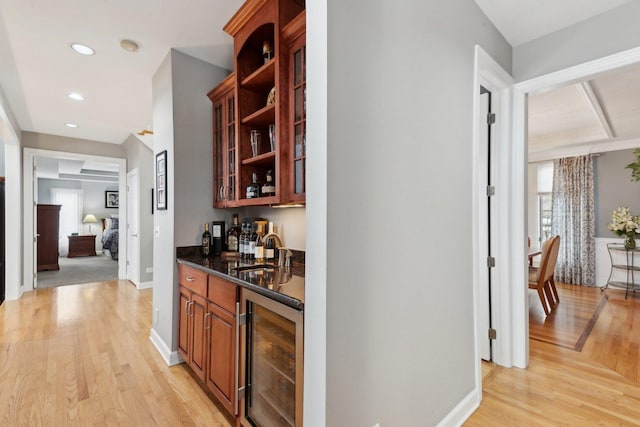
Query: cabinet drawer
[223, 293]
[193, 279]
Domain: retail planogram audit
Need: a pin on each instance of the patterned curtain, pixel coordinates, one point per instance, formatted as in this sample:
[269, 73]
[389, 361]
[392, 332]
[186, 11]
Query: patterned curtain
[573, 219]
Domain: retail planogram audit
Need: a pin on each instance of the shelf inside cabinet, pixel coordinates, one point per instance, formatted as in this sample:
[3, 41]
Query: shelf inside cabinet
[262, 117]
[261, 159]
[263, 77]
[274, 406]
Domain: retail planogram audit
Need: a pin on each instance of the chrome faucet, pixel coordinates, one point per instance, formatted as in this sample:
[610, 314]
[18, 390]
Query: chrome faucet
[284, 255]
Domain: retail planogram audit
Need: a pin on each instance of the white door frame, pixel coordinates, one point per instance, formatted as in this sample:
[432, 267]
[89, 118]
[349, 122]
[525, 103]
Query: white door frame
[518, 212]
[133, 254]
[492, 76]
[29, 155]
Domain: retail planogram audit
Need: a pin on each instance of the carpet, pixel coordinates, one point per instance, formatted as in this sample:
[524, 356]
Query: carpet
[79, 270]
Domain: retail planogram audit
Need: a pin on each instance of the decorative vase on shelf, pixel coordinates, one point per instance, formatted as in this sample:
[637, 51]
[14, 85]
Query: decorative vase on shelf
[630, 241]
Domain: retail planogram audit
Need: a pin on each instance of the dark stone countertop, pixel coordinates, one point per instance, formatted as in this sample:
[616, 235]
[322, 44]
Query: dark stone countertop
[285, 285]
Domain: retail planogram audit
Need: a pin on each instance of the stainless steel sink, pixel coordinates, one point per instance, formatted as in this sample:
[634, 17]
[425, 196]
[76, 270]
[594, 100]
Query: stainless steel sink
[255, 267]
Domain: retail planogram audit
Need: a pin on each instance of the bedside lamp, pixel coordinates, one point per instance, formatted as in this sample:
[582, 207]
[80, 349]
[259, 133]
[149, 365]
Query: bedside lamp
[89, 219]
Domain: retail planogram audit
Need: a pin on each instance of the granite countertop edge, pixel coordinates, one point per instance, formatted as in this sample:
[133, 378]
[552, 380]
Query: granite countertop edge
[277, 296]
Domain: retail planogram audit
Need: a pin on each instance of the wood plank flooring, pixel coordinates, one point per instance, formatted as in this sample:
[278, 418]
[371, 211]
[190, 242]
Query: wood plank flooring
[584, 366]
[81, 355]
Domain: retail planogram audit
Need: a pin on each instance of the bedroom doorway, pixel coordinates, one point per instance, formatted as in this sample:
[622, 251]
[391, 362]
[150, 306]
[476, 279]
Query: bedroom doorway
[104, 208]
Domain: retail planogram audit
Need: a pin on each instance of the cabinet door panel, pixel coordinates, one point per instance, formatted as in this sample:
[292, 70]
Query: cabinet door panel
[221, 374]
[183, 326]
[199, 347]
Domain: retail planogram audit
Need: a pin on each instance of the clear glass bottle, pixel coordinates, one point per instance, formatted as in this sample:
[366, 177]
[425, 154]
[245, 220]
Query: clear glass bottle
[206, 241]
[253, 189]
[259, 247]
[243, 241]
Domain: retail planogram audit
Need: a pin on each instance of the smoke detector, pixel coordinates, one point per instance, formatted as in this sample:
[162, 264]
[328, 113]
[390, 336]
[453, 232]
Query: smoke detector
[129, 45]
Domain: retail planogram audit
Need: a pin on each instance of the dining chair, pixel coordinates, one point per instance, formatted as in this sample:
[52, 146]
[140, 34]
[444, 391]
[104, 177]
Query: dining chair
[541, 278]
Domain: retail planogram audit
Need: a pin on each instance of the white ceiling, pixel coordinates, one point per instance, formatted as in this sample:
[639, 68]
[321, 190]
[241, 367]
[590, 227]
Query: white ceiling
[521, 21]
[76, 170]
[601, 114]
[39, 68]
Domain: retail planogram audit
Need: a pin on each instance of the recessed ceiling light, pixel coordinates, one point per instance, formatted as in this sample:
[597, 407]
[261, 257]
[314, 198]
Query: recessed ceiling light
[71, 125]
[75, 96]
[129, 45]
[82, 49]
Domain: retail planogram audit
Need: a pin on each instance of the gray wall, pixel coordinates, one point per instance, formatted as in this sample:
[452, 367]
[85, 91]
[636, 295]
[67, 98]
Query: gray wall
[602, 35]
[71, 145]
[613, 188]
[140, 157]
[400, 324]
[1, 158]
[182, 126]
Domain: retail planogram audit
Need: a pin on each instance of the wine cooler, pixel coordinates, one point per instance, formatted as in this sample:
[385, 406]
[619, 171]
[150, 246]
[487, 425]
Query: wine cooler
[273, 366]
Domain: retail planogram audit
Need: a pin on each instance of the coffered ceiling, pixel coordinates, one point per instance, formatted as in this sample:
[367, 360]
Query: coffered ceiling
[601, 114]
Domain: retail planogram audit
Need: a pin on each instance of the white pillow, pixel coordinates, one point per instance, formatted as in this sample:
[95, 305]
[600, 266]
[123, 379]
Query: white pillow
[107, 224]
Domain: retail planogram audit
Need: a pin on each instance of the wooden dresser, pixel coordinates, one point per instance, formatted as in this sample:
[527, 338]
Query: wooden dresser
[48, 231]
[82, 245]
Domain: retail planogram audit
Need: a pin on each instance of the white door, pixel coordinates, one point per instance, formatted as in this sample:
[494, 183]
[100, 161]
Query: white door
[133, 226]
[35, 226]
[486, 205]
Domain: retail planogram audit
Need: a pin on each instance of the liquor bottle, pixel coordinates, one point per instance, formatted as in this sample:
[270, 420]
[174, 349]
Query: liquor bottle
[259, 248]
[252, 243]
[233, 235]
[267, 51]
[270, 245]
[206, 241]
[268, 189]
[253, 189]
[243, 241]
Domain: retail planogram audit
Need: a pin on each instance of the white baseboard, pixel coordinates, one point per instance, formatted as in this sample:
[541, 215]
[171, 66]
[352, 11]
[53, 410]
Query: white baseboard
[462, 411]
[145, 285]
[170, 357]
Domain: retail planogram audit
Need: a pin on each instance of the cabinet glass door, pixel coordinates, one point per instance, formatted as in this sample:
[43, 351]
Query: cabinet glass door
[271, 369]
[299, 119]
[218, 147]
[231, 150]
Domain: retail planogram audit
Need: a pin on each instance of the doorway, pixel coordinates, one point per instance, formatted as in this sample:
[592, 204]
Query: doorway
[30, 197]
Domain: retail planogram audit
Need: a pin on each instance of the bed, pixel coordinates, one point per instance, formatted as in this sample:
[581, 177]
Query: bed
[110, 236]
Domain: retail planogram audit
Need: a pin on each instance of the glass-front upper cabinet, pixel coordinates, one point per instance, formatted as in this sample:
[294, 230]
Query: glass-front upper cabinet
[298, 101]
[225, 170]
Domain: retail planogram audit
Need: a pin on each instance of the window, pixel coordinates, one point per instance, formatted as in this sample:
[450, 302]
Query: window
[70, 214]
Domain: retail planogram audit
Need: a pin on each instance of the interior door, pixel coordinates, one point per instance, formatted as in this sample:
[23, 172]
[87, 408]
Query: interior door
[35, 226]
[484, 291]
[133, 226]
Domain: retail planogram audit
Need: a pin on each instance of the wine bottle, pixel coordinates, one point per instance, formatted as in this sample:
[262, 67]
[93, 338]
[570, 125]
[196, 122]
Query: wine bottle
[243, 241]
[268, 189]
[253, 189]
[259, 248]
[267, 51]
[252, 243]
[206, 241]
[270, 245]
[233, 234]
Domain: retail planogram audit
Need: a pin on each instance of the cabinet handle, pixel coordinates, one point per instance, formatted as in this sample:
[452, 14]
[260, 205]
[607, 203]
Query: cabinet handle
[221, 192]
[186, 307]
[237, 375]
[192, 304]
[190, 279]
[206, 325]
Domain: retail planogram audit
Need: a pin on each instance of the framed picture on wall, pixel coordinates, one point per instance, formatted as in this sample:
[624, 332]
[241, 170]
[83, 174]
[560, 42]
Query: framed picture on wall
[111, 199]
[161, 181]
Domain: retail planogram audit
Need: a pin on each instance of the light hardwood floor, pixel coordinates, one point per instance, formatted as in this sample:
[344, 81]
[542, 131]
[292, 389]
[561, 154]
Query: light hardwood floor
[584, 366]
[81, 355]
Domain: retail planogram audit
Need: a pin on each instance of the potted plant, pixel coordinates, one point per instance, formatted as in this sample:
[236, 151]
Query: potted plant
[624, 223]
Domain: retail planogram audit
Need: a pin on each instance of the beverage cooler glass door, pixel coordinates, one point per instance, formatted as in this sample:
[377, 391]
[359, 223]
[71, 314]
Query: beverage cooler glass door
[273, 369]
